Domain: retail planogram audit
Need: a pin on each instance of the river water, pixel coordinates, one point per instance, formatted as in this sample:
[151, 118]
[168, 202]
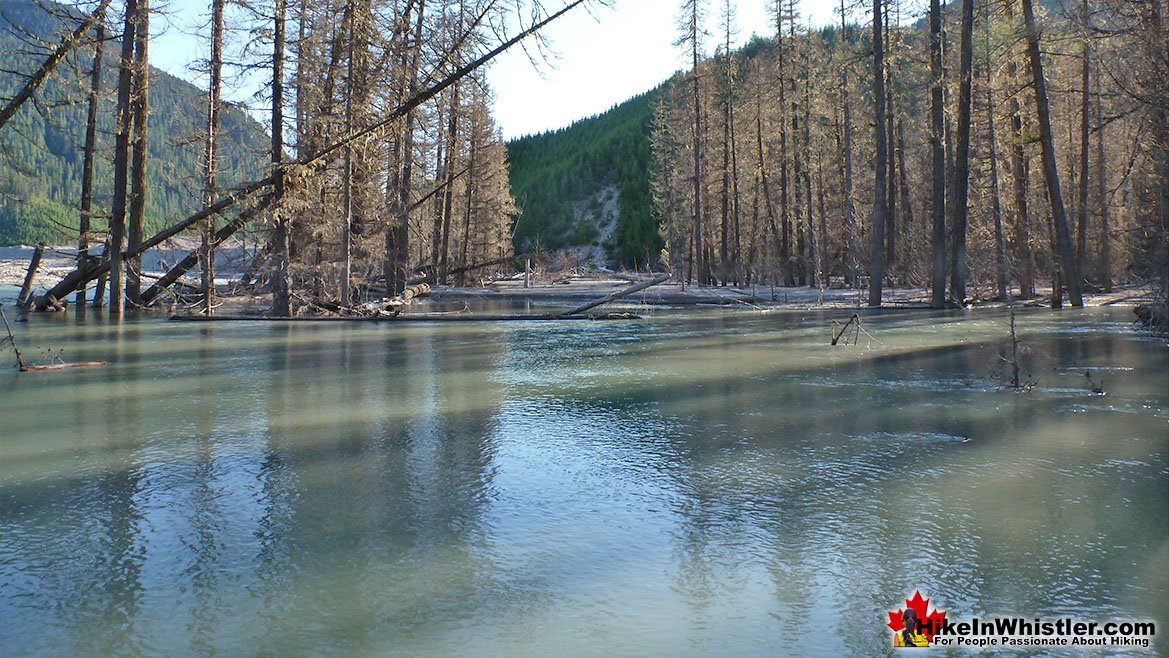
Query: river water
[719, 483]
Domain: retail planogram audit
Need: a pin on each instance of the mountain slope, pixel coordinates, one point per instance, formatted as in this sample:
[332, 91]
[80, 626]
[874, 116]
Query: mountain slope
[562, 182]
[41, 148]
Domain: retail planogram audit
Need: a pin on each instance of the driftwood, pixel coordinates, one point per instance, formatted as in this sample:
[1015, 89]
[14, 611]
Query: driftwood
[25, 296]
[62, 366]
[624, 292]
[53, 366]
[394, 305]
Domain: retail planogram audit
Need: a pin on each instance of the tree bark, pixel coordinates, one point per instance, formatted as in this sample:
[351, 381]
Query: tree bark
[211, 154]
[1000, 249]
[937, 160]
[962, 164]
[282, 234]
[1082, 224]
[121, 161]
[141, 108]
[1105, 260]
[1071, 273]
[1023, 257]
[699, 264]
[398, 236]
[881, 163]
[849, 210]
[87, 160]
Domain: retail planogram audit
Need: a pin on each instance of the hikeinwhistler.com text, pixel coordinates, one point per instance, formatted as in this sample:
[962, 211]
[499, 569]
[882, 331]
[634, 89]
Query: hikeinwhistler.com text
[1020, 632]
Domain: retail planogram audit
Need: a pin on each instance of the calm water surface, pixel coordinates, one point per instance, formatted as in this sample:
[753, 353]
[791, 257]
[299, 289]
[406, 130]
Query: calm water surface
[696, 484]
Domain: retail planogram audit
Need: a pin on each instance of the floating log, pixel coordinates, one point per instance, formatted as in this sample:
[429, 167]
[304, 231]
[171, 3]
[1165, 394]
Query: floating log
[62, 366]
[624, 292]
[25, 296]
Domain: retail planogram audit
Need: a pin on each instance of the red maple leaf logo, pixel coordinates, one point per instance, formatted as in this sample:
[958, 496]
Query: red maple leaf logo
[931, 622]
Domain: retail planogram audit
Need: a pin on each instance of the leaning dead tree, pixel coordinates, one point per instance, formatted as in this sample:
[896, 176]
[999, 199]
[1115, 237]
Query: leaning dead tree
[282, 171]
[46, 68]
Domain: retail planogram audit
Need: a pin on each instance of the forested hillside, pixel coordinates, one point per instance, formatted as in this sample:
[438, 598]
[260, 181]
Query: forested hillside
[554, 172]
[40, 180]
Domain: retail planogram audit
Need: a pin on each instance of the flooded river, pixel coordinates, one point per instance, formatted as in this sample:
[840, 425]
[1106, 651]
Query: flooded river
[718, 483]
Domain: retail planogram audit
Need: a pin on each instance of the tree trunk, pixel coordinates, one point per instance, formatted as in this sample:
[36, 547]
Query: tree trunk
[890, 140]
[962, 164]
[724, 233]
[282, 234]
[699, 264]
[810, 228]
[937, 160]
[87, 161]
[402, 161]
[849, 210]
[141, 108]
[211, 154]
[121, 160]
[401, 232]
[992, 139]
[881, 163]
[449, 196]
[1023, 257]
[1082, 224]
[1000, 249]
[1105, 261]
[1071, 273]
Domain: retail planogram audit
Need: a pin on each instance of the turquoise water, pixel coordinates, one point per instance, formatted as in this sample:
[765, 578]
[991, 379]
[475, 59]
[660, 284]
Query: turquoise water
[719, 483]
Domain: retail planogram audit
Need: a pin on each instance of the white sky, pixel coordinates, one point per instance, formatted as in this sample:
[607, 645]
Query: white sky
[620, 53]
[603, 58]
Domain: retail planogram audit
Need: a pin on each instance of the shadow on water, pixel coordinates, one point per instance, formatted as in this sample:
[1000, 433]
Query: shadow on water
[694, 485]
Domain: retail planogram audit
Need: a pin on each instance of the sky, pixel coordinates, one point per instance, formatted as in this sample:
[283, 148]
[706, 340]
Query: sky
[603, 57]
[610, 56]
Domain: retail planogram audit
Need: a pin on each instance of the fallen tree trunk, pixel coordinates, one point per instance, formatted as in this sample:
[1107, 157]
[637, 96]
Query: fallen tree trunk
[80, 277]
[221, 236]
[624, 292]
